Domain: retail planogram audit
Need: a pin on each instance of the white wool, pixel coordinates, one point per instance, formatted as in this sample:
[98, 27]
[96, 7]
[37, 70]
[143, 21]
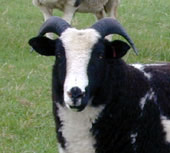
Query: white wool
[141, 68]
[148, 96]
[166, 126]
[76, 129]
[78, 48]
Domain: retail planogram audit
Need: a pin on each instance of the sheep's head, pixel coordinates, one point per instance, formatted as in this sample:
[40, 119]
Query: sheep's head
[81, 56]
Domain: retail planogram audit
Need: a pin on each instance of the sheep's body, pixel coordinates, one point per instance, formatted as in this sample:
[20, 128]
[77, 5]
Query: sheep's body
[133, 115]
[100, 103]
[86, 6]
[159, 80]
[101, 8]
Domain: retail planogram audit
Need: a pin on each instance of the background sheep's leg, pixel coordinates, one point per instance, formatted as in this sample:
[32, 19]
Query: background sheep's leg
[111, 8]
[101, 15]
[69, 13]
[47, 13]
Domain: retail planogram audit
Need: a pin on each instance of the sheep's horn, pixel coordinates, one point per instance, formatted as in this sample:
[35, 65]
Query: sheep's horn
[109, 26]
[54, 24]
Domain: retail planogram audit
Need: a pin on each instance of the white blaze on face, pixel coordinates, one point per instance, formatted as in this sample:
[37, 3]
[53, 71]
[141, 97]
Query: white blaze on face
[78, 46]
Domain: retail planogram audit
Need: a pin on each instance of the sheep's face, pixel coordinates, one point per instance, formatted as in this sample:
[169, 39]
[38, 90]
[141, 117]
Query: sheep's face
[78, 49]
[81, 59]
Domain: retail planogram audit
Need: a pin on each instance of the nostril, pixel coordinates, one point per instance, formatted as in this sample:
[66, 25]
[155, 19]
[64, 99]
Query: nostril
[83, 94]
[79, 95]
[75, 92]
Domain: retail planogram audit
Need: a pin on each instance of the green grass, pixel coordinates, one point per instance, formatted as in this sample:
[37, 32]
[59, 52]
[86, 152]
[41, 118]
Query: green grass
[26, 121]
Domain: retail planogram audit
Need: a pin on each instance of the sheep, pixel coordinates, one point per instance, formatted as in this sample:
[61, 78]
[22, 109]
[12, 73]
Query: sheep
[101, 8]
[101, 104]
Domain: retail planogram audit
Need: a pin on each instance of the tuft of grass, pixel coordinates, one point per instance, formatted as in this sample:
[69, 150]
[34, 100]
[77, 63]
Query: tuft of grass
[27, 124]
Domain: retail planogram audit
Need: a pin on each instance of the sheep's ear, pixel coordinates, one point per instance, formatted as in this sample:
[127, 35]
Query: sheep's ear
[116, 49]
[43, 45]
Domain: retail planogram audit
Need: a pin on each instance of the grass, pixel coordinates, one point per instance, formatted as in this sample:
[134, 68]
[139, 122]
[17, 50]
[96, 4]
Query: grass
[26, 121]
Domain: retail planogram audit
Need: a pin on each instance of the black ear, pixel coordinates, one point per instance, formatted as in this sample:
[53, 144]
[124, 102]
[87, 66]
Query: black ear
[43, 45]
[116, 49]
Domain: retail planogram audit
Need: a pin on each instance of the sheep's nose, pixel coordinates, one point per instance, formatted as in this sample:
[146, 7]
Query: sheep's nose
[75, 93]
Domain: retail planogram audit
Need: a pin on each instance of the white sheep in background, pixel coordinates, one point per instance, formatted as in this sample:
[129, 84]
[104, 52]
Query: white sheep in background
[101, 8]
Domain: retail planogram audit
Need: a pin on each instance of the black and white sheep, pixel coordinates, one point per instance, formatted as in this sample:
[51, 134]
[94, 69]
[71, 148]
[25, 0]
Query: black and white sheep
[101, 8]
[100, 103]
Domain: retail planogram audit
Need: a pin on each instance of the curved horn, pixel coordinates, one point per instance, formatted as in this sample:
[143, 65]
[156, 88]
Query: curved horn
[109, 26]
[54, 24]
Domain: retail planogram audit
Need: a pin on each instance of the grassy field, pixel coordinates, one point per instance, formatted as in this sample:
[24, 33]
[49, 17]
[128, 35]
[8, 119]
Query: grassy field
[26, 121]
